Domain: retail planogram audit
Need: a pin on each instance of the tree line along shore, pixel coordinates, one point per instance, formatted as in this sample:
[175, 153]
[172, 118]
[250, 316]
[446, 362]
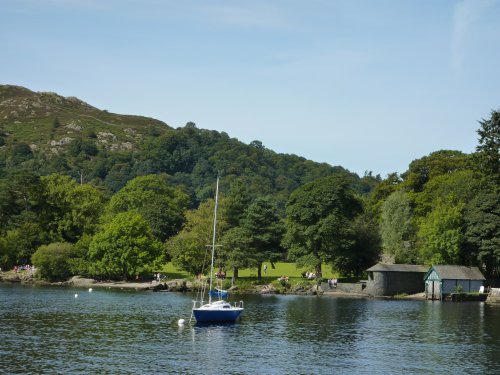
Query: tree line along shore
[85, 208]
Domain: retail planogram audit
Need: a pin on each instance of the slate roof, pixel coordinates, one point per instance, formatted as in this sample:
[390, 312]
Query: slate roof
[458, 273]
[382, 267]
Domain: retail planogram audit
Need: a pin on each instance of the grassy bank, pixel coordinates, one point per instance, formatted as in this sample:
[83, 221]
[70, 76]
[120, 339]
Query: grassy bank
[248, 274]
[281, 269]
[247, 277]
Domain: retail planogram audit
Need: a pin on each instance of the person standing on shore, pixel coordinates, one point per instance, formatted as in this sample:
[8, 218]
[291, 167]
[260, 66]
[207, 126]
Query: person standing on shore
[265, 268]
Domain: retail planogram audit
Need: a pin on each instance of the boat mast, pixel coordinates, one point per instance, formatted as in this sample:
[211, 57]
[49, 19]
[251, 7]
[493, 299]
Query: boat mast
[213, 238]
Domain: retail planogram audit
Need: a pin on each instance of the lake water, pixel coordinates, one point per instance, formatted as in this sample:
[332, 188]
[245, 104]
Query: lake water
[47, 330]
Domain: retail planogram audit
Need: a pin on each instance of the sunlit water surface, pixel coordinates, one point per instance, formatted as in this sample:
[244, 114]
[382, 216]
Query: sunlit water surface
[47, 330]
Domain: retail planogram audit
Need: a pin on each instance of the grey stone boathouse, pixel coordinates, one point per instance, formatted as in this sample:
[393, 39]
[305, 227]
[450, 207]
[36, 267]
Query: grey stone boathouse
[441, 281]
[390, 279]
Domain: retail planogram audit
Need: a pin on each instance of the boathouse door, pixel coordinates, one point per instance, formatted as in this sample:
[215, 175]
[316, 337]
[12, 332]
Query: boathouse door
[433, 289]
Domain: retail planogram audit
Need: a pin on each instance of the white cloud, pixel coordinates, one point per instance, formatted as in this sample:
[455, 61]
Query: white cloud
[466, 16]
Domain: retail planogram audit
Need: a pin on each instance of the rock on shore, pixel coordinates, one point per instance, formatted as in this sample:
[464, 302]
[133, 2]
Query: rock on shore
[494, 296]
[25, 277]
[170, 285]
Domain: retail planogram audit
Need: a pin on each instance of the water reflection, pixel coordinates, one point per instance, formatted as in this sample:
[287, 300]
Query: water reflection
[47, 330]
[325, 321]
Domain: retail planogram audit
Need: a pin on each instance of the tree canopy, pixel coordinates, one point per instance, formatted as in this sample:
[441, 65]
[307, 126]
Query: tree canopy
[397, 228]
[318, 224]
[163, 206]
[488, 147]
[189, 249]
[124, 248]
[445, 208]
[262, 229]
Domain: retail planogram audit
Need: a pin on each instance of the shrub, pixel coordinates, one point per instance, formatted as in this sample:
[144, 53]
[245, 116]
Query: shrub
[304, 284]
[226, 284]
[21, 149]
[244, 284]
[56, 123]
[459, 288]
[54, 261]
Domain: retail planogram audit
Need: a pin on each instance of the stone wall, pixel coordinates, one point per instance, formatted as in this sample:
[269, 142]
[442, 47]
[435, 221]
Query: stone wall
[350, 287]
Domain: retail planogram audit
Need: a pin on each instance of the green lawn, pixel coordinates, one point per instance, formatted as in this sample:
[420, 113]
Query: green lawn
[281, 269]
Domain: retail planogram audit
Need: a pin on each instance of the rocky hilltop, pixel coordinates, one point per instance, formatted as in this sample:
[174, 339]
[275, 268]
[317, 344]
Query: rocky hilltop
[48, 122]
[20, 103]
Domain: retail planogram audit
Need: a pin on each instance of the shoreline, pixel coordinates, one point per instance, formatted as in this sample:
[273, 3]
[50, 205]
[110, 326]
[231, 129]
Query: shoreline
[75, 281]
[183, 285]
[81, 282]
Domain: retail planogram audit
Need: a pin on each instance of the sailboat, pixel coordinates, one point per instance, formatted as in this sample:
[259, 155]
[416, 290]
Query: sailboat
[218, 310]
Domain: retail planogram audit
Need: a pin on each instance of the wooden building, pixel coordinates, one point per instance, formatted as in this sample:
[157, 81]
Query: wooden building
[390, 279]
[441, 281]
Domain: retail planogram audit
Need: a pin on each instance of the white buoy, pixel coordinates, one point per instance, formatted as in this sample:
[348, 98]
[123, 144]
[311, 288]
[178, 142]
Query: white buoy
[181, 322]
[90, 290]
[76, 295]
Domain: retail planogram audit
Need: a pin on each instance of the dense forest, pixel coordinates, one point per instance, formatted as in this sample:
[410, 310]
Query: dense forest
[84, 191]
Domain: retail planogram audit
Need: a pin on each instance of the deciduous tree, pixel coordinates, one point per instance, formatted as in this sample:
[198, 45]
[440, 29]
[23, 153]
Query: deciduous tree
[189, 249]
[440, 234]
[437, 163]
[124, 247]
[397, 229]
[317, 224]
[365, 250]
[163, 206]
[69, 209]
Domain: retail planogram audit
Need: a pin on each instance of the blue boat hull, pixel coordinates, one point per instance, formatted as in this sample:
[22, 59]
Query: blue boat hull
[228, 315]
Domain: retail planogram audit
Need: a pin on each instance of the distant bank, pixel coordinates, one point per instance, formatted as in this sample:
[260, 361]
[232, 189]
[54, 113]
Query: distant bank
[181, 285]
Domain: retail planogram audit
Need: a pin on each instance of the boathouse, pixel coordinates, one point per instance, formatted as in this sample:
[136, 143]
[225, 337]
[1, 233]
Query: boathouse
[441, 281]
[390, 279]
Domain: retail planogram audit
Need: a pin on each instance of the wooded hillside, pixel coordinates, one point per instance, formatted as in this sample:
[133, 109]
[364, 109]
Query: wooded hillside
[106, 190]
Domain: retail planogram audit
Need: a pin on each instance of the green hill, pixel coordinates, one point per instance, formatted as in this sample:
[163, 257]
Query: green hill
[47, 133]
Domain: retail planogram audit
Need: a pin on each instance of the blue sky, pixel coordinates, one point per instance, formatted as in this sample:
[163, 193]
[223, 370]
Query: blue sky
[366, 84]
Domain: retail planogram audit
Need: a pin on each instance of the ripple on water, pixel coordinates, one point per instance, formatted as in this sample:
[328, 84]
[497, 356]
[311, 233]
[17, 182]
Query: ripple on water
[47, 330]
